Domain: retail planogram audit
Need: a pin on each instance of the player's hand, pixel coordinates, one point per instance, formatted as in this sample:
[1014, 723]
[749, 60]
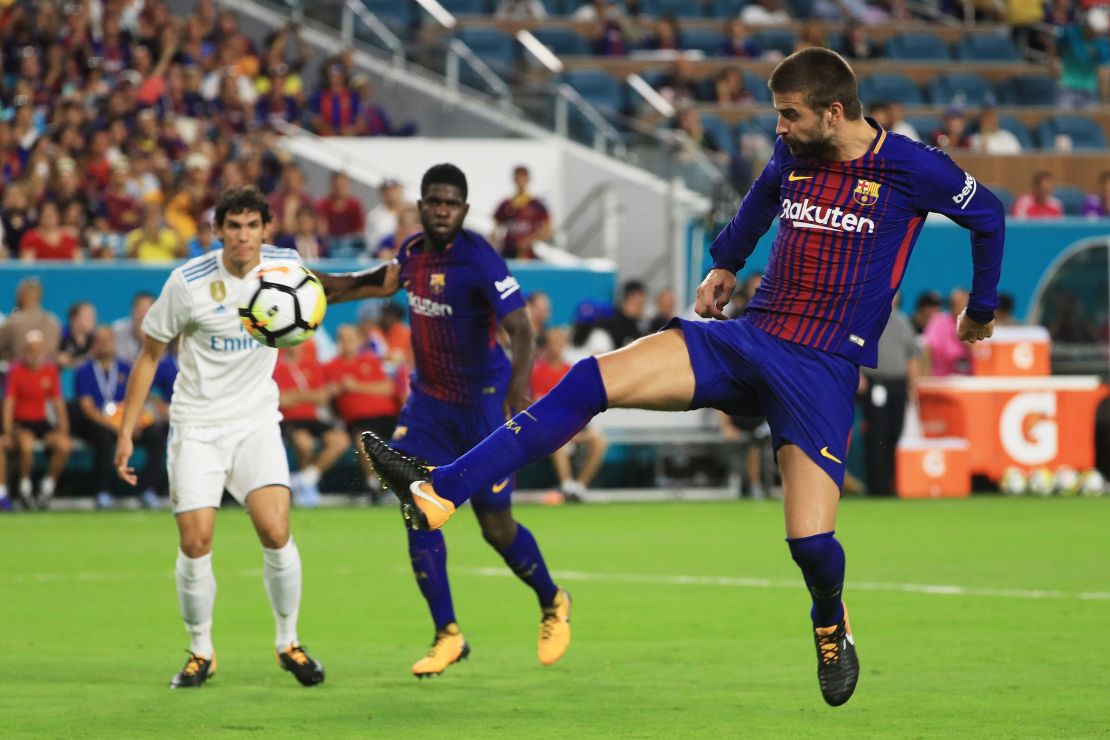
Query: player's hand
[714, 294]
[124, 448]
[971, 331]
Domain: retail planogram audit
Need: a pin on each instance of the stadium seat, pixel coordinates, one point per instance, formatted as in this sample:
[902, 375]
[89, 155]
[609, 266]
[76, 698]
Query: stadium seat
[563, 41]
[775, 39]
[720, 132]
[920, 46]
[835, 40]
[726, 8]
[1028, 90]
[494, 47]
[982, 47]
[757, 86]
[598, 88]
[924, 124]
[1083, 132]
[706, 40]
[960, 88]
[762, 123]
[465, 7]
[884, 87]
[677, 8]
[1013, 124]
[1072, 198]
[398, 16]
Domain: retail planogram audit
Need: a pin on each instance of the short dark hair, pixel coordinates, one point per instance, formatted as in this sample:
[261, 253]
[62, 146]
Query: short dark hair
[1040, 176]
[444, 174]
[242, 200]
[631, 288]
[822, 77]
[142, 295]
[1005, 303]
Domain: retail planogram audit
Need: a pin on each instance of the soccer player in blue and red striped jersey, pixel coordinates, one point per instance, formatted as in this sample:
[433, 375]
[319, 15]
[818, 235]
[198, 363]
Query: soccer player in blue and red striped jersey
[464, 387]
[851, 199]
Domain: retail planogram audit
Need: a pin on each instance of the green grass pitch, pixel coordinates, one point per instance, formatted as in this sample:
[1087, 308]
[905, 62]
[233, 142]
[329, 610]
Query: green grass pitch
[986, 617]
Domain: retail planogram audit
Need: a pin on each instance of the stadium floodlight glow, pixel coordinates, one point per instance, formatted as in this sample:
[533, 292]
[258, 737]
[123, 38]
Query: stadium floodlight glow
[648, 93]
[536, 48]
[439, 13]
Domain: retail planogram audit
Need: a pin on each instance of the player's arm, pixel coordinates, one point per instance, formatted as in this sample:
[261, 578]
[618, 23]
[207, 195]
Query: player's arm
[735, 243]
[138, 388]
[943, 187]
[522, 345]
[375, 282]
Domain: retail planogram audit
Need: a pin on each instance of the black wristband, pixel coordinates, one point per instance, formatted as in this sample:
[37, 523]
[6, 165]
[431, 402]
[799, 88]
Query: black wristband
[982, 317]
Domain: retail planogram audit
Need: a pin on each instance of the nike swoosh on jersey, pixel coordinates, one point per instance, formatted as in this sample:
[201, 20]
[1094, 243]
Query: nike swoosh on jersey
[794, 178]
[500, 486]
[825, 453]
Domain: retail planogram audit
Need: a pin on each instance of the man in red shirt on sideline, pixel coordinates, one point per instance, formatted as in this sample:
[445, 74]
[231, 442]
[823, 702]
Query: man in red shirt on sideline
[522, 220]
[549, 368]
[33, 382]
[340, 211]
[365, 397]
[303, 391]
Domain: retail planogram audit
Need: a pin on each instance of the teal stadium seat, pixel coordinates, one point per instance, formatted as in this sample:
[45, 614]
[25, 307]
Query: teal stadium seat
[924, 124]
[726, 8]
[677, 8]
[1084, 133]
[1005, 196]
[706, 40]
[600, 89]
[982, 47]
[1028, 90]
[720, 133]
[960, 88]
[563, 41]
[887, 87]
[781, 40]
[762, 124]
[399, 16]
[465, 7]
[1072, 198]
[1015, 126]
[917, 46]
[757, 86]
[495, 48]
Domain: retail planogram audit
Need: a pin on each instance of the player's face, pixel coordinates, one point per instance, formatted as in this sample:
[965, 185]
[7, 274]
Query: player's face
[442, 211]
[803, 129]
[242, 235]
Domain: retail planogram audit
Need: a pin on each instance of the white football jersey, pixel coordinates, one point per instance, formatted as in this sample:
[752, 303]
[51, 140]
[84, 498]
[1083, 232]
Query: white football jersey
[224, 375]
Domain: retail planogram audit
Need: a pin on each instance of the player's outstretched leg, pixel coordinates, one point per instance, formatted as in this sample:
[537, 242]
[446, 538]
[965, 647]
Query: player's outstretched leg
[430, 496]
[428, 553]
[821, 559]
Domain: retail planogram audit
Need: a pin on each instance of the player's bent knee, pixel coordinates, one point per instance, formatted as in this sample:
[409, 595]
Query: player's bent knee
[196, 545]
[499, 529]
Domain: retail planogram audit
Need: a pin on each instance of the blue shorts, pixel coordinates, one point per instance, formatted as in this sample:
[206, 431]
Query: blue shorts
[807, 395]
[441, 431]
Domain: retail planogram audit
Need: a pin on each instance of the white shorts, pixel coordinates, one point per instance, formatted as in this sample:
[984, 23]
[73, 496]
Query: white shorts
[204, 460]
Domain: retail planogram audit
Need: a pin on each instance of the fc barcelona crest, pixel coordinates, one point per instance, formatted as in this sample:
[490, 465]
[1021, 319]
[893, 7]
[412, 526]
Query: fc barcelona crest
[438, 282]
[218, 291]
[866, 192]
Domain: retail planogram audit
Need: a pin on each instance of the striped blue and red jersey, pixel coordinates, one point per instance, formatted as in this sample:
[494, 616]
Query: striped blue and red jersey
[456, 299]
[846, 231]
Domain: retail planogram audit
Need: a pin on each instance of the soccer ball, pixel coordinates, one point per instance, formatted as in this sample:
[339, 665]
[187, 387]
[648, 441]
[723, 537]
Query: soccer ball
[1092, 483]
[1013, 482]
[282, 303]
[1042, 482]
[1067, 481]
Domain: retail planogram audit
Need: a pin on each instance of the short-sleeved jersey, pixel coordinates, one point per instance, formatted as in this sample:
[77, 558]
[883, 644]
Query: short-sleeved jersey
[364, 368]
[224, 375]
[299, 376]
[456, 297]
[846, 231]
[102, 386]
[522, 218]
[30, 389]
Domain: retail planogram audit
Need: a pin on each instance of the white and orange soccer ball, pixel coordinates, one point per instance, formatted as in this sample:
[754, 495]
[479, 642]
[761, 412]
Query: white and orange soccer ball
[282, 303]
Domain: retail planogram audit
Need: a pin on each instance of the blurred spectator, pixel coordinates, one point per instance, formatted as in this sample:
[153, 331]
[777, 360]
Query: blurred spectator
[277, 103]
[947, 355]
[129, 330]
[205, 240]
[341, 211]
[679, 85]
[1083, 49]
[890, 117]
[17, 216]
[408, 223]
[288, 199]
[754, 435]
[738, 44]
[119, 209]
[858, 45]
[303, 391]
[373, 120]
[99, 387]
[1097, 205]
[381, 220]
[539, 312]
[1004, 314]
[990, 138]
[153, 241]
[1040, 202]
[336, 107]
[627, 324]
[550, 366]
[364, 396]
[689, 123]
[185, 210]
[29, 315]
[953, 134]
[305, 238]
[521, 220]
[664, 310]
[812, 35]
[77, 336]
[765, 13]
[588, 335]
[395, 335]
[607, 27]
[48, 240]
[33, 393]
[730, 89]
[927, 305]
[743, 295]
[667, 35]
[520, 10]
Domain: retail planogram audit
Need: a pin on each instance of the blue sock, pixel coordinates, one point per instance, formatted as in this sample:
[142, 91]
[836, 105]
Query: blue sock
[524, 558]
[534, 433]
[821, 559]
[428, 551]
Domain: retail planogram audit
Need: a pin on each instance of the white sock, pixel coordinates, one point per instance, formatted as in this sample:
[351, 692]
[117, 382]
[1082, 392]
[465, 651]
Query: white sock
[282, 574]
[3, 491]
[310, 476]
[196, 593]
[46, 487]
[25, 487]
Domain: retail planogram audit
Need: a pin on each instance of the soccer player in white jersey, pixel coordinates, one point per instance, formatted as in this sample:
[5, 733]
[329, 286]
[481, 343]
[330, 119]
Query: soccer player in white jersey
[224, 426]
